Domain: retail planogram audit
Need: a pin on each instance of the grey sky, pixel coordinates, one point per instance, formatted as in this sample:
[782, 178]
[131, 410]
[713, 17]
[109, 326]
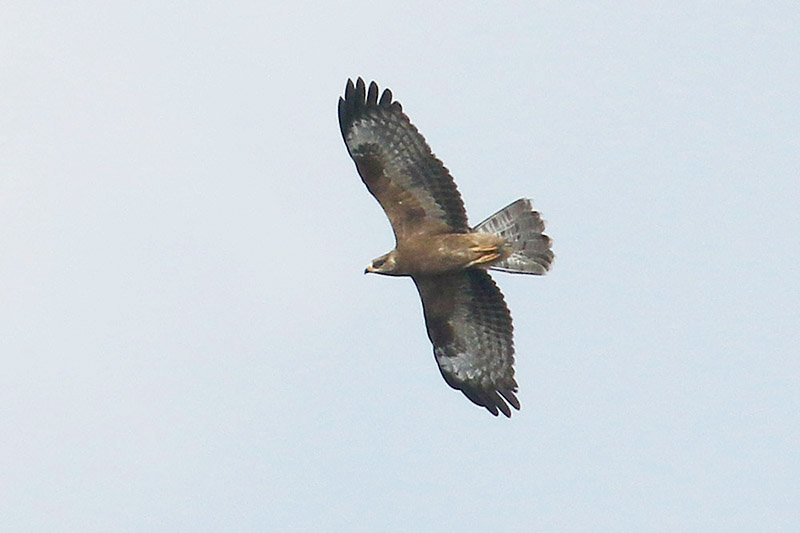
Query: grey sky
[188, 340]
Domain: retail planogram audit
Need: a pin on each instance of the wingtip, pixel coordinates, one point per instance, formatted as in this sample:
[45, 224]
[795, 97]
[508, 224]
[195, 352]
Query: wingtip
[362, 94]
[386, 98]
[360, 97]
[372, 94]
[494, 401]
[499, 407]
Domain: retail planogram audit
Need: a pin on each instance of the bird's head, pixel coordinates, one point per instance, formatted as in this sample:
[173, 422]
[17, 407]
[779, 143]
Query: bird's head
[384, 264]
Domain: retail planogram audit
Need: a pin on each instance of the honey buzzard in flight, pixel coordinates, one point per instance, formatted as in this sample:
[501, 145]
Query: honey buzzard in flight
[466, 316]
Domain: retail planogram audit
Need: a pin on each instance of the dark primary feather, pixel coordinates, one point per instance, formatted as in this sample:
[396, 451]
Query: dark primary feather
[472, 335]
[396, 164]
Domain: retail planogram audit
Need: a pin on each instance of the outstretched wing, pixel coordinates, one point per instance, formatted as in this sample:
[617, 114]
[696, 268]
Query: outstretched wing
[470, 328]
[414, 188]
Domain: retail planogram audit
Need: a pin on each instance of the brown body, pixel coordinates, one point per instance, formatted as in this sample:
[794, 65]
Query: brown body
[436, 254]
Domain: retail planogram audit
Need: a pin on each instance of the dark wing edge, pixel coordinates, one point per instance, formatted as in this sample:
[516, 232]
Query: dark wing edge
[396, 164]
[470, 328]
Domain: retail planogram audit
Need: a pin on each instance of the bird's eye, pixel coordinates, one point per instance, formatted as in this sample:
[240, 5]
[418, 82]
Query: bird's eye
[378, 263]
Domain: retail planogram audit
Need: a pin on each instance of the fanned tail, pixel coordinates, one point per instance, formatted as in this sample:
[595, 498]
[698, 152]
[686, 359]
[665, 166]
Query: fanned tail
[522, 227]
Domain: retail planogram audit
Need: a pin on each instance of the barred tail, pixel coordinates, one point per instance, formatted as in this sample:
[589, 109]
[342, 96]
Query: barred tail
[522, 227]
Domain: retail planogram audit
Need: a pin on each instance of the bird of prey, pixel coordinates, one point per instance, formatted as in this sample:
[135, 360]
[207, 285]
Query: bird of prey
[466, 316]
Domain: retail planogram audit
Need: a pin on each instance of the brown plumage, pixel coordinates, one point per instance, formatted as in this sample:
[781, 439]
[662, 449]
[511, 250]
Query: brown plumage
[466, 316]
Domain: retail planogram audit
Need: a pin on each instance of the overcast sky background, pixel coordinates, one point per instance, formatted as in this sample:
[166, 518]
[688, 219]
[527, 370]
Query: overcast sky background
[188, 342]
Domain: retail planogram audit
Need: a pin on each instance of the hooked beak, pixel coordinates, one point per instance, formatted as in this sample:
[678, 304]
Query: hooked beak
[369, 269]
